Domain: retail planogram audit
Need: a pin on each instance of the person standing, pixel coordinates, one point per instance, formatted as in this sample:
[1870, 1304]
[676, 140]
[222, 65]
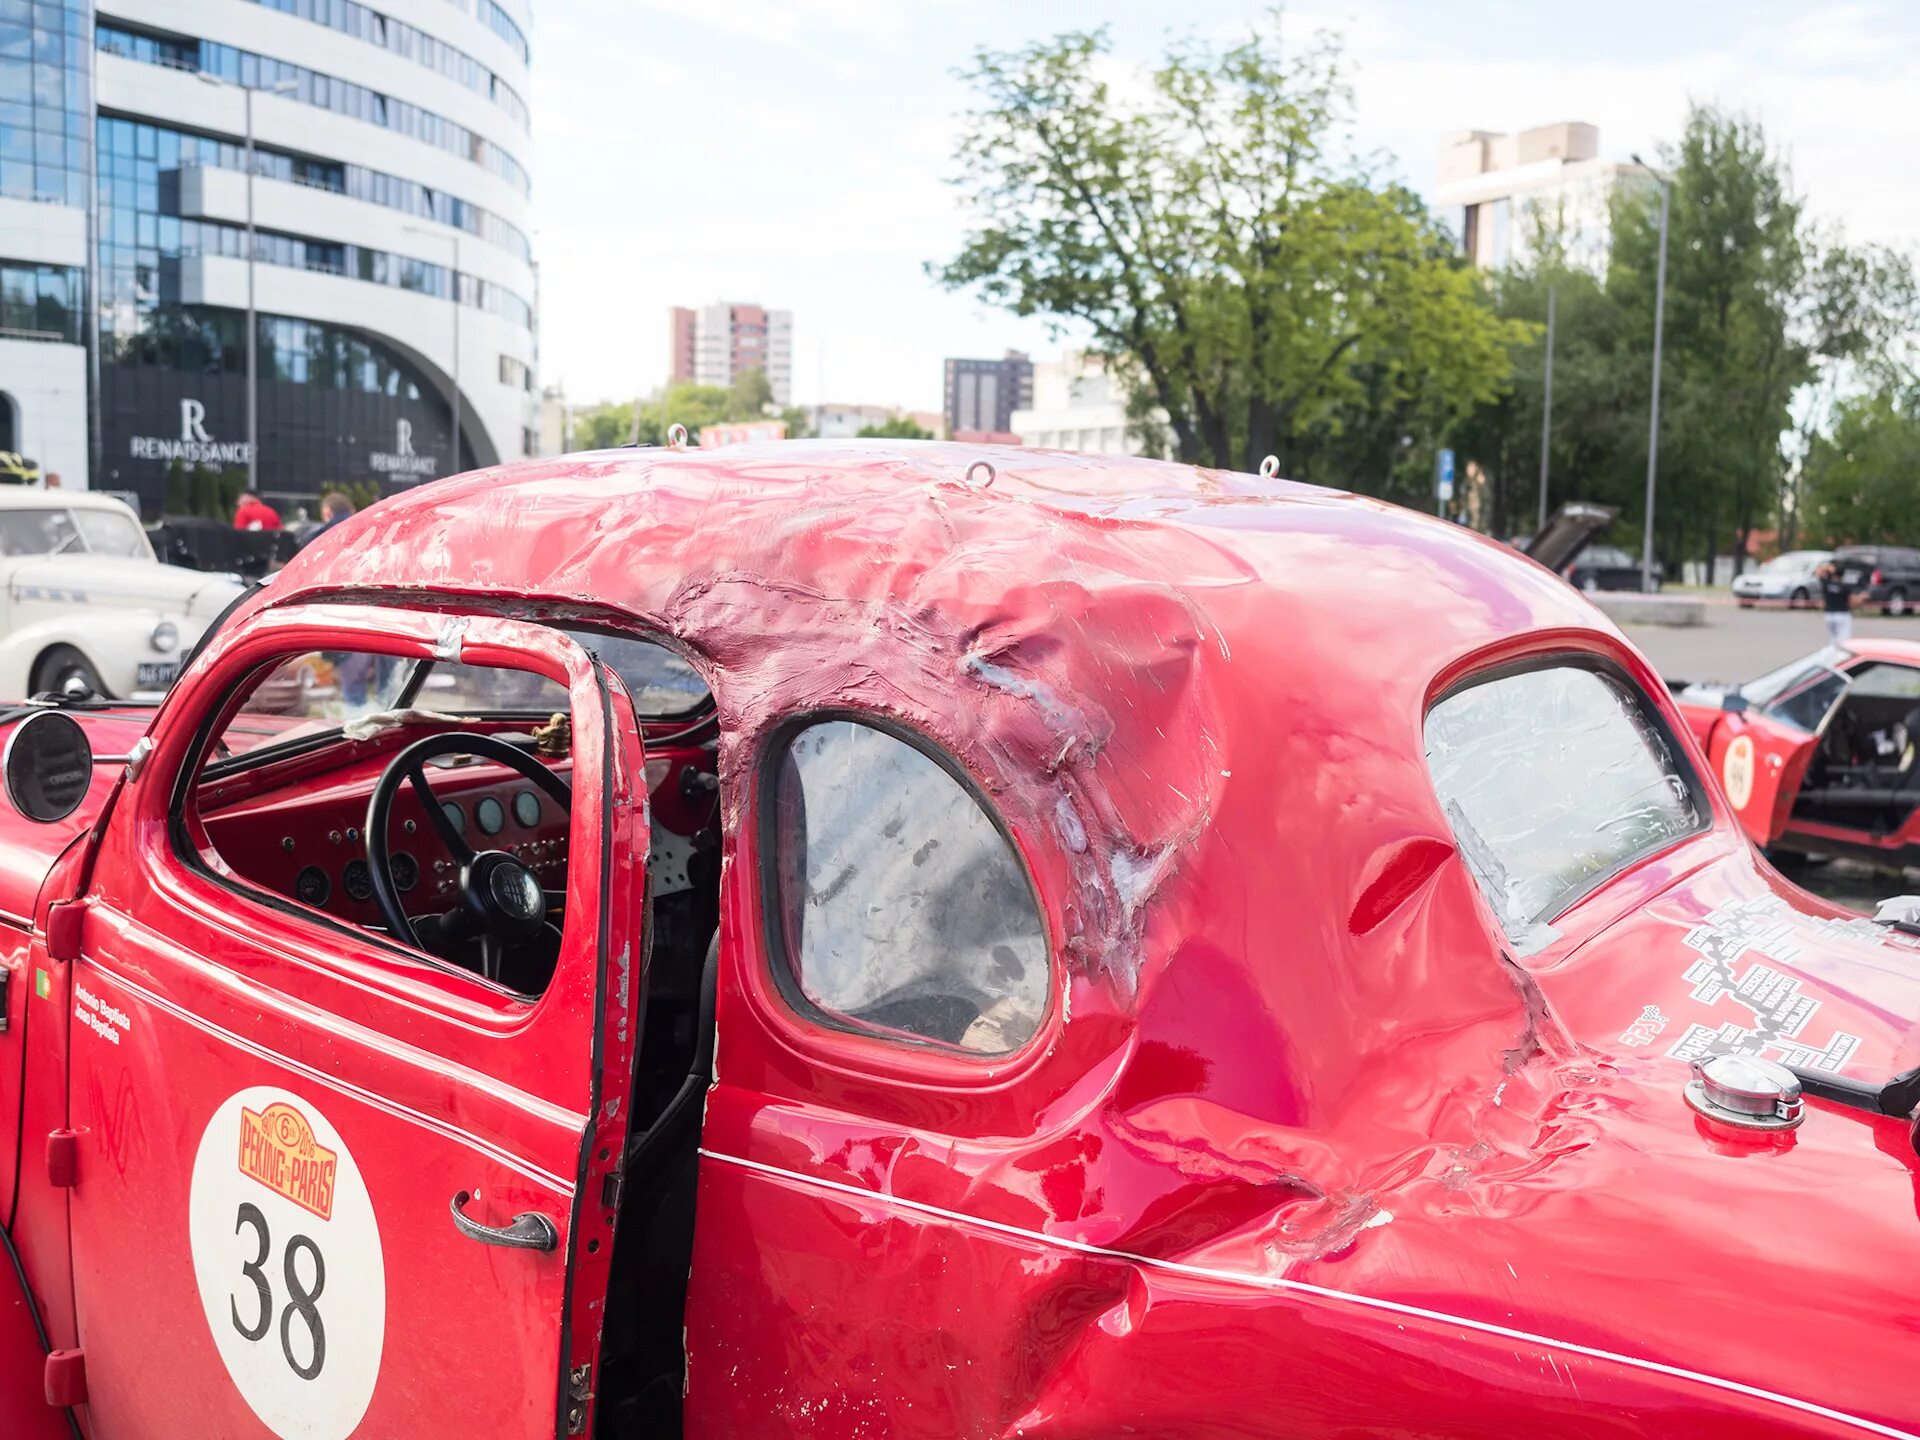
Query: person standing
[334, 507]
[253, 513]
[1836, 598]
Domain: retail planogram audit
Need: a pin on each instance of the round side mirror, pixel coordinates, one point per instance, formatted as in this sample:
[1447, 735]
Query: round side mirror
[48, 763]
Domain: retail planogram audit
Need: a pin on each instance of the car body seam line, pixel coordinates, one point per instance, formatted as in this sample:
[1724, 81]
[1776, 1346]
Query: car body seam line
[1281, 1283]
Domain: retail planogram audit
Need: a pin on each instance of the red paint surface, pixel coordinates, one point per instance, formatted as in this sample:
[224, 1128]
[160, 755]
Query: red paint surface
[1297, 1152]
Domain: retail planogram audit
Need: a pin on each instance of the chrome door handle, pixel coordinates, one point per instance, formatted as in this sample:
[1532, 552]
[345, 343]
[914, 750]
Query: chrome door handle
[530, 1231]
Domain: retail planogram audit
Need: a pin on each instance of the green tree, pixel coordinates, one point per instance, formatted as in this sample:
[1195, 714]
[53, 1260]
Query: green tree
[695, 406]
[1264, 294]
[603, 427]
[750, 396]
[1862, 310]
[1862, 481]
[1737, 261]
[1769, 320]
[897, 427]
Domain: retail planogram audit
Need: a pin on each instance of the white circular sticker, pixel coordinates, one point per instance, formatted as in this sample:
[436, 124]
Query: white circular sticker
[1737, 771]
[286, 1252]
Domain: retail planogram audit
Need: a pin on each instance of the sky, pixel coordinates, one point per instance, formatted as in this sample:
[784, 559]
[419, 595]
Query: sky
[795, 153]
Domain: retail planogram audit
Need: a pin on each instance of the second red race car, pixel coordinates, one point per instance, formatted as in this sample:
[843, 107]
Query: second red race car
[1822, 756]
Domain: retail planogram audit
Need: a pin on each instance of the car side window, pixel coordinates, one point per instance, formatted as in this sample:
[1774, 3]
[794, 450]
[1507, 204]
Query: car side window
[897, 905]
[1553, 779]
[1807, 708]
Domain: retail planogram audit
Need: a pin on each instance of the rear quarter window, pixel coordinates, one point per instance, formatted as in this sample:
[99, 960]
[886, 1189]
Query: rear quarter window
[896, 904]
[1552, 779]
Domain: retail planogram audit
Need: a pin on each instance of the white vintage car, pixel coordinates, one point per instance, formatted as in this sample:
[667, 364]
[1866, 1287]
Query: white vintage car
[83, 601]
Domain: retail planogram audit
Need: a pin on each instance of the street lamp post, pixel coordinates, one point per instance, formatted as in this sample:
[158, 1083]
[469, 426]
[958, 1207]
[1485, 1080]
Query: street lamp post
[1653, 411]
[1546, 418]
[454, 289]
[283, 87]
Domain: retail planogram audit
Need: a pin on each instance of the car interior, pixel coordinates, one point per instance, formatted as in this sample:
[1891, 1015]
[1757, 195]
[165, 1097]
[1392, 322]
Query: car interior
[1864, 773]
[459, 777]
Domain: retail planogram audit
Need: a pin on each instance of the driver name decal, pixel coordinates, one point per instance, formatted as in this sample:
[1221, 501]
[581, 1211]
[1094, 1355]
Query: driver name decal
[288, 1262]
[1746, 931]
[278, 1149]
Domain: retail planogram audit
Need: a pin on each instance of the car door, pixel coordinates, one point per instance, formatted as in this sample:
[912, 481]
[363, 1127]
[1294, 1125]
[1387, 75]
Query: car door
[1761, 756]
[325, 1186]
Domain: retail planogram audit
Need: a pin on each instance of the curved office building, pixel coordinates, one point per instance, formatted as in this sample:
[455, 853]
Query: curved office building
[390, 199]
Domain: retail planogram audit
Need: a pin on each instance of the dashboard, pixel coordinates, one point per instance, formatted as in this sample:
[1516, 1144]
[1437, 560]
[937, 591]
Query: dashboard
[304, 839]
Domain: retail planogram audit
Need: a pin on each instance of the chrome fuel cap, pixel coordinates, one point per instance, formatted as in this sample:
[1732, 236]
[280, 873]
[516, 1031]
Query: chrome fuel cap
[1746, 1091]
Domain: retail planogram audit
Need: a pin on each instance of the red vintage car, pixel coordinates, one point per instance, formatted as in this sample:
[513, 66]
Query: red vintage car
[1821, 756]
[923, 941]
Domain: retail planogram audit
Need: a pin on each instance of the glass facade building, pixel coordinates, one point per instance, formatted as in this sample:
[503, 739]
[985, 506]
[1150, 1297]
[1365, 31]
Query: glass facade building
[389, 264]
[45, 139]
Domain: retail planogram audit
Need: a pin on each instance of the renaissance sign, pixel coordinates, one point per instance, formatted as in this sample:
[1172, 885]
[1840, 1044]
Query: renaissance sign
[195, 446]
[401, 462]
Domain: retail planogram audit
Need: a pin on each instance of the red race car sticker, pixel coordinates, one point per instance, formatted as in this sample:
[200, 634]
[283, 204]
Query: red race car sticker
[286, 1253]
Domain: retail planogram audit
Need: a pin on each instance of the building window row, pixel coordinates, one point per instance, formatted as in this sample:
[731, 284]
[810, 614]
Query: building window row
[177, 239]
[352, 18]
[197, 340]
[343, 97]
[498, 21]
[44, 152]
[516, 374]
[160, 151]
[42, 302]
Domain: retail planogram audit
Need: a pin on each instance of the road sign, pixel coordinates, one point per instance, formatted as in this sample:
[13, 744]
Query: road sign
[1443, 477]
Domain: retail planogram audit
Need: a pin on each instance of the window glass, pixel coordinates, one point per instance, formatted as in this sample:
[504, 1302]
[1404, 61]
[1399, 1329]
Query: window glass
[38, 532]
[1790, 677]
[1886, 682]
[108, 532]
[1552, 779]
[472, 690]
[900, 907]
[313, 694]
[660, 682]
[1806, 706]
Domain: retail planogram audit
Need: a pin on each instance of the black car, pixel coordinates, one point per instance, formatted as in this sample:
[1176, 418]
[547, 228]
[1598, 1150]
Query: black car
[1608, 567]
[1883, 575]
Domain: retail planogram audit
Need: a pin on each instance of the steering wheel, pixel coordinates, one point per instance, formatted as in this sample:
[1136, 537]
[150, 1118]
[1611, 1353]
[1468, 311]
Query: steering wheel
[501, 903]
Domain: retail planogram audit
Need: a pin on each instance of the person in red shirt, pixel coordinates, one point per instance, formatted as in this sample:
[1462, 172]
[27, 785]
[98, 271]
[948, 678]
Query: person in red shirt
[253, 513]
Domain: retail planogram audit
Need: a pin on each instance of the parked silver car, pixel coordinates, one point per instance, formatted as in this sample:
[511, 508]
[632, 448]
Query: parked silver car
[1787, 577]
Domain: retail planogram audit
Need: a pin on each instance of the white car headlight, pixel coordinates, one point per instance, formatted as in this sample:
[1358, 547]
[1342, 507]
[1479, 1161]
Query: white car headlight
[166, 637]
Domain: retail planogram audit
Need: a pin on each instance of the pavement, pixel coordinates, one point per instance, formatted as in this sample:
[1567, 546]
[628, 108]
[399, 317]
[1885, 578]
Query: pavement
[1738, 644]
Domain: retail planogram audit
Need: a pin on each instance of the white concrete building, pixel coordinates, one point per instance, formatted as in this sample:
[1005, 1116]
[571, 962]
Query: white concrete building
[1078, 404]
[1508, 190]
[392, 208]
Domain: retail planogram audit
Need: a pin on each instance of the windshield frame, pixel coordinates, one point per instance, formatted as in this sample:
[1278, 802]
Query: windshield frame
[692, 718]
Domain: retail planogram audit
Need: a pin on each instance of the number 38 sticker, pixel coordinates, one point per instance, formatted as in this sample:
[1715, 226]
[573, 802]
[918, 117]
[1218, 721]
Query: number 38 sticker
[286, 1252]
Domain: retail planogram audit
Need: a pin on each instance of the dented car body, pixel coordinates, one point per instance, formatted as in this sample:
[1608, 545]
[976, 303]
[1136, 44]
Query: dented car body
[1065, 966]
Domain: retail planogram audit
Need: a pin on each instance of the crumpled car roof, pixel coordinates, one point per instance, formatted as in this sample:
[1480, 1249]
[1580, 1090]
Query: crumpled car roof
[1161, 673]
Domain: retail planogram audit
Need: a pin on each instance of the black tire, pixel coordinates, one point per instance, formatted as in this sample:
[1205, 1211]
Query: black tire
[1744, 604]
[60, 667]
[1800, 599]
[1896, 602]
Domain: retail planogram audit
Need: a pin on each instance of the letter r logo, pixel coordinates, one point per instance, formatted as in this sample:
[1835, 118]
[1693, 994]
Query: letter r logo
[193, 426]
[403, 437]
